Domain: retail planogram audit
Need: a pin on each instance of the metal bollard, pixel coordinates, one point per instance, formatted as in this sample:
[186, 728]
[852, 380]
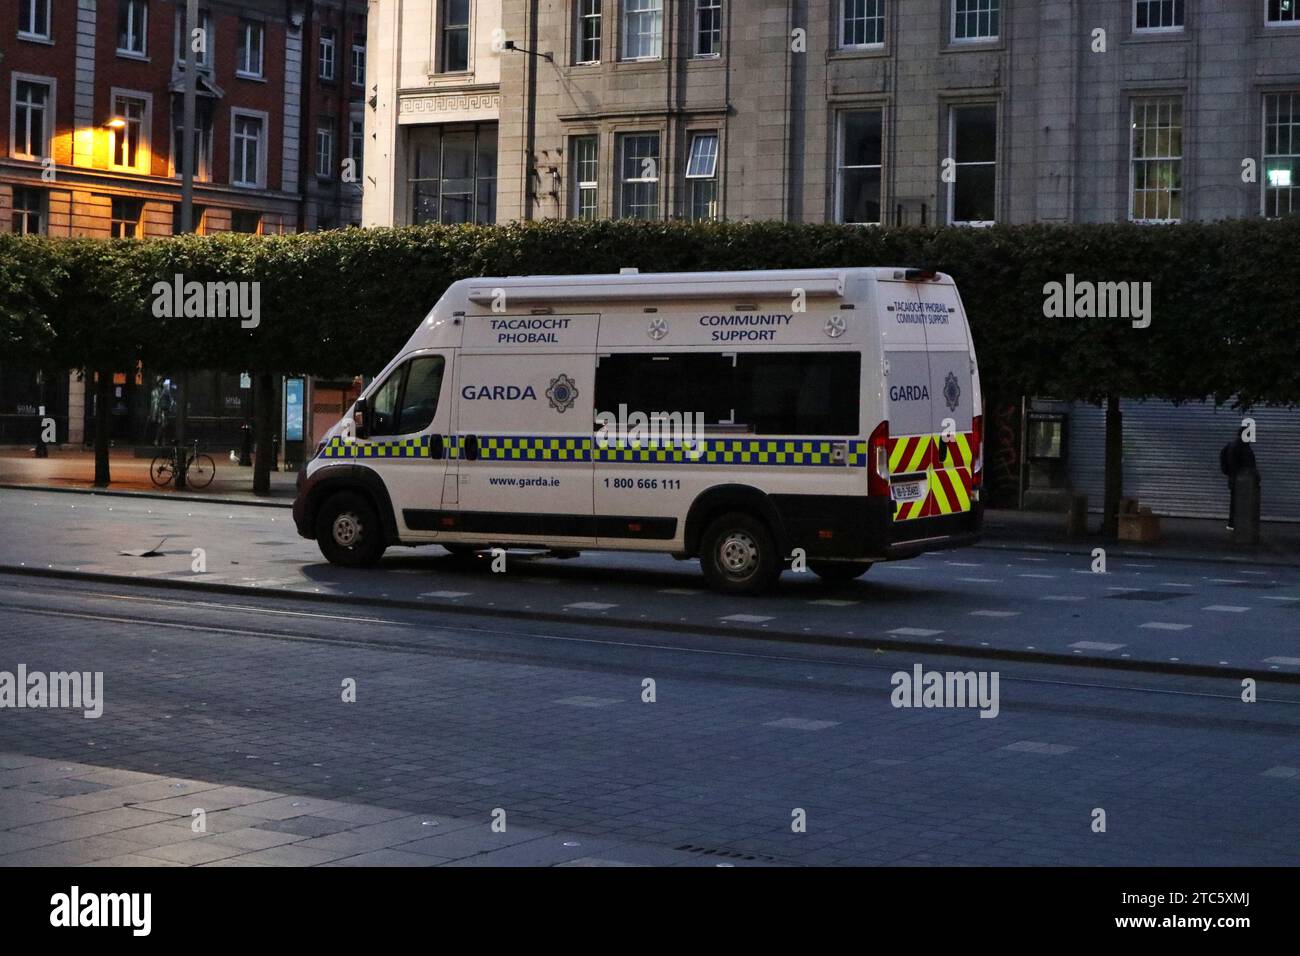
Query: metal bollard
[1246, 523]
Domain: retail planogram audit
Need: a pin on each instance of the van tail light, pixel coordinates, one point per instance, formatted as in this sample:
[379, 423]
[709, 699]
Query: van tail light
[878, 461]
[977, 451]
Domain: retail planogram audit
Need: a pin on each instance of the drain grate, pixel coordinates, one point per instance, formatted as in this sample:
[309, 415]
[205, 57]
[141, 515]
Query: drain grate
[1146, 595]
[727, 854]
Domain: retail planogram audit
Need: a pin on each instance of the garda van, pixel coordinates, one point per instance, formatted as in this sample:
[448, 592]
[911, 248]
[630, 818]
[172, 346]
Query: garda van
[747, 419]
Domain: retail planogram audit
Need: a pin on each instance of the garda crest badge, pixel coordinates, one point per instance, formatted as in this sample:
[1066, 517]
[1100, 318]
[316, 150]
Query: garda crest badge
[951, 392]
[562, 393]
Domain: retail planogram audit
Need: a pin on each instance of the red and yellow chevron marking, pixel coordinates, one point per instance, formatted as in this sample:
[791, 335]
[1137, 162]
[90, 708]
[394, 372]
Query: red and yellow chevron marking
[910, 454]
[950, 490]
[912, 509]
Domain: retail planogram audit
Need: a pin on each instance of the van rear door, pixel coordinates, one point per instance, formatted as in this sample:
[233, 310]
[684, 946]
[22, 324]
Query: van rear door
[908, 404]
[952, 396]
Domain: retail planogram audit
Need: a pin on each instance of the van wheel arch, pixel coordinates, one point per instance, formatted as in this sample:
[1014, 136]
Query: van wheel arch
[358, 480]
[719, 500]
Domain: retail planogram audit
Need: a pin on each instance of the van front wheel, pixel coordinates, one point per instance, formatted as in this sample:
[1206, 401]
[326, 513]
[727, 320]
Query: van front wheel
[348, 531]
[738, 555]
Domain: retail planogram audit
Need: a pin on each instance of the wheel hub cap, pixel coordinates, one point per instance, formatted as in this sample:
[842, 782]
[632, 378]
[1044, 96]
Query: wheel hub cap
[738, 553]
[347, 530]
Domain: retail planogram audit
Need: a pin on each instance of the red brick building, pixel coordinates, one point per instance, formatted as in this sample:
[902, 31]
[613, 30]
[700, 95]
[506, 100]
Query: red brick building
[91, 132]
[91, 128]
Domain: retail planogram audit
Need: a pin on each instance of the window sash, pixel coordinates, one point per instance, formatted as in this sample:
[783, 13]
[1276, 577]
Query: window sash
[325, 55]
[358, 64]
[324, 152]
[132, 26]
[247, 139]
[29, 211]
[34, 19]
[1153, 16]
[202, 60]
[642, 29]
[1280, 182]
[130, 145]
[1282, 11]
[975, 20]
[586, 177]
[1155, 190]
[455, 36]
[862, 23]
[702, 162]
[857, 177]
[588, 32]
[249, 56]
[124, 218]
[31, 119]
[639, 192]
[708, 27]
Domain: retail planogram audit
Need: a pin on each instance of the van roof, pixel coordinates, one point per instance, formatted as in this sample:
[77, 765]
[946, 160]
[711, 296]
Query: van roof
[815, 283]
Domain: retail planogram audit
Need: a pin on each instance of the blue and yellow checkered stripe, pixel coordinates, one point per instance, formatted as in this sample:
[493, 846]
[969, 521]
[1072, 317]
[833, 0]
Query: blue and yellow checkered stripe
[402, 448]
[796, 452]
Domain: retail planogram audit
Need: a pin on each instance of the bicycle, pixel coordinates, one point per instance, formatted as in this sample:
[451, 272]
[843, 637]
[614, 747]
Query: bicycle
[199, 469]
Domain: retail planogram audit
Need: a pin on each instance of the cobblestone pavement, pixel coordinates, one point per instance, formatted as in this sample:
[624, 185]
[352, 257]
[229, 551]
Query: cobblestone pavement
[240, 701]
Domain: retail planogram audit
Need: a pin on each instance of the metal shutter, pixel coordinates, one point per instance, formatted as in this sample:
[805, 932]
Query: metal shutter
[1171, 457]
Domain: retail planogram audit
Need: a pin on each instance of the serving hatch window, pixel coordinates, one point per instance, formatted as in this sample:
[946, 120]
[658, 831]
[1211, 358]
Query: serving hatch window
[754, 393]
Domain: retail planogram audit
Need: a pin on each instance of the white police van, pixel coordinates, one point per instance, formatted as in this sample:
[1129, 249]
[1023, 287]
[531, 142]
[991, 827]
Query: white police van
[750, 419]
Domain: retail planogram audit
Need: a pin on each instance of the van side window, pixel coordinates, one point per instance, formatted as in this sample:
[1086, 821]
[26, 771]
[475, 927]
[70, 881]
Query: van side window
[408, 400]
[420, 397]
[383, 406]
[755, 393]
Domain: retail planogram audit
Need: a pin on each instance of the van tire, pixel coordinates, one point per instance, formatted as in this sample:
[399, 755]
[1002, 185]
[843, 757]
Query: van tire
[839, 572]
[738, 555]
[348, 531]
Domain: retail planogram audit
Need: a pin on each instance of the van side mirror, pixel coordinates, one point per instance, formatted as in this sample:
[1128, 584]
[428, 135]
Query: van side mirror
[436, 449]
[361, 418]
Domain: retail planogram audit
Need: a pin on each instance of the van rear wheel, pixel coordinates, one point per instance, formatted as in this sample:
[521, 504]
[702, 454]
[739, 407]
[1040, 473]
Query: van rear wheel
[839, 572]
[348, 531]
[738, 555]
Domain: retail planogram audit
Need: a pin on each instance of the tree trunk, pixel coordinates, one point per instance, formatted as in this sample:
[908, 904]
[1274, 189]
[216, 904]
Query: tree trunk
[1114, 467]
[263, 430]
[103, 424]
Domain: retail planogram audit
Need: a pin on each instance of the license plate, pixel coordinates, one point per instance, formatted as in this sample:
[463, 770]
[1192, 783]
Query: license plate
[908, 490]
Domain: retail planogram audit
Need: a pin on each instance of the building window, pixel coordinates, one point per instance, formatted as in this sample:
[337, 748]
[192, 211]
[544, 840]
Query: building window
[29, 216]
[202, 57]
[862, 23]
[130, 146]
[708, 27]
[32, 118]
[325, 150]
[325, 55]
[1157, 160]
[643, 29]
[132, 26]
[202, 138]
[246, 220]
[1283, 11]
[125, 221]
[198, 220]
[858, 172]
[248, 56]
[34, 19]
[702, 176]
[587, 32]
[455, 35]
[585, 177]
[973, 140]
[453, 174]
[247, 151]
[975, 19]
[1157, 14]
[639, 162]
[357, 144]
[1281, 154]
[358, 64]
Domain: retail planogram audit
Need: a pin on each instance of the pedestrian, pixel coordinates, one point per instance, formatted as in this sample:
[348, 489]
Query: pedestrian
[1235, 457]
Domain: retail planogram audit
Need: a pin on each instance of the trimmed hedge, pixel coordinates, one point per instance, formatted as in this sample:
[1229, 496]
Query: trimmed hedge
[1225, 320]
